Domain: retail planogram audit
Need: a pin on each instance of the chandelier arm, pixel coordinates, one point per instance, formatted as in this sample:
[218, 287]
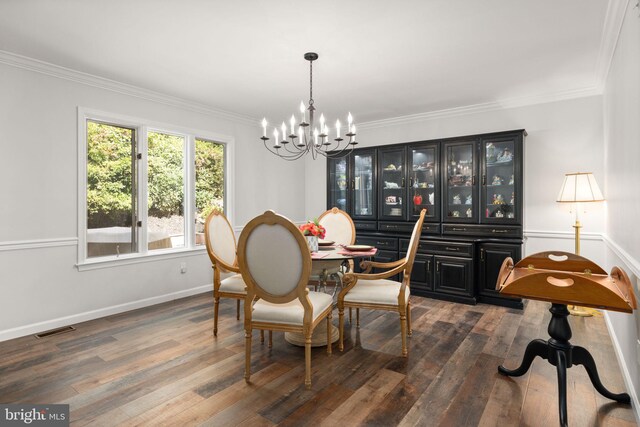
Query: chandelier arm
[294, 156]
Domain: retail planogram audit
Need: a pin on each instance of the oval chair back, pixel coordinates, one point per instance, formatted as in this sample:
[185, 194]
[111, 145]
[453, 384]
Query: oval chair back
[220, 241]
[339, 226]
[274, 259]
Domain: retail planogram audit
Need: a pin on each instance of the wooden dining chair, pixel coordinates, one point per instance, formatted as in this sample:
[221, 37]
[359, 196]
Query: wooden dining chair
[221, 247]
[275, 263]
[377, 292]
[340, 229]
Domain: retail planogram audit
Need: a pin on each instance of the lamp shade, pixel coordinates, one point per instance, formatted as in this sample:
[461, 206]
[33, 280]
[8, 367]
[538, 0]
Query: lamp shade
[579, 187]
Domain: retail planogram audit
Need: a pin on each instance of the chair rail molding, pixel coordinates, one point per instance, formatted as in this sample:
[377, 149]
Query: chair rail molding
[38, 243]
[549, 234]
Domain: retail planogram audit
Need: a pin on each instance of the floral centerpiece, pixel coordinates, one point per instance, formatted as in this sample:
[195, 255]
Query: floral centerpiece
[313, 231]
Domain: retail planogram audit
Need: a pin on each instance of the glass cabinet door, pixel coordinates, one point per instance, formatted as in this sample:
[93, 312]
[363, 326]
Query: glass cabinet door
[392, 182]
[363, 187]
[338, 183]
[459, 201]
[501, 183]
[424, 185]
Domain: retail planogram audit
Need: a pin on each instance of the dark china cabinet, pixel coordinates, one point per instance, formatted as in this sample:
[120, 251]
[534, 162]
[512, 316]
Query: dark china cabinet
[501, 194]
[351, 184]
[460, 200]
[472, 189]
[424, 181]
[338, 183]
[491, 257]
[392, 172]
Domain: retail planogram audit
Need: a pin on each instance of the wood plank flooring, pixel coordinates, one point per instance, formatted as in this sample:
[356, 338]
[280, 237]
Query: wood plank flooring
[161, 365]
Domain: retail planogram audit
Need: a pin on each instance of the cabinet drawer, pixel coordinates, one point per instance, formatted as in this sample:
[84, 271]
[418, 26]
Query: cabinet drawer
[382, 243]
[446, 248]
[440, 248]
[403, 227]
[365, 225]
[407, 227]
[482, 230]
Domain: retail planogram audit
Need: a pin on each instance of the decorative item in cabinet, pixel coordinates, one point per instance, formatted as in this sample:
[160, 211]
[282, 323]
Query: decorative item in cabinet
[391, 172]
[424, 183]
[363, 192]
[501, 179]
[460, 181]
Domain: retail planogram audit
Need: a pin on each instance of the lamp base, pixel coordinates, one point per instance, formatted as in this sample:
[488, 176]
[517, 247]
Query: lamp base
[575, 310]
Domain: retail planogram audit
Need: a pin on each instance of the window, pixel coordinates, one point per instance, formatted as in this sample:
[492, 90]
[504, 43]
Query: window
[140, 182]
[210, 192]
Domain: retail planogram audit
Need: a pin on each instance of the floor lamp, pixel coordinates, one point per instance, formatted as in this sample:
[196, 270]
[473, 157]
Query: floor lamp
[577, 188]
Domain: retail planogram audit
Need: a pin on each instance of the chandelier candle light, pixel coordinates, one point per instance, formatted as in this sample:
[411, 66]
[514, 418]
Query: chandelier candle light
[309, 138]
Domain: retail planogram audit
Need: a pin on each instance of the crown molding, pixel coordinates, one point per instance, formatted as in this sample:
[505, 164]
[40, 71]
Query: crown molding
[507, 103]
[57, 71]
[616, 10]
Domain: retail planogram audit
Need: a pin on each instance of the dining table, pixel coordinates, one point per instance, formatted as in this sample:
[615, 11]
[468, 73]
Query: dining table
[326, 262]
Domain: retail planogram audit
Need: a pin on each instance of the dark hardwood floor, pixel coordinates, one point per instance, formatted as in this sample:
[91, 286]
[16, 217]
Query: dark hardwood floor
[162, 366]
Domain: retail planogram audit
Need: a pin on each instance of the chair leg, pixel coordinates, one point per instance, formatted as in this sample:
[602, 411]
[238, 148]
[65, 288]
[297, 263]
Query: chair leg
[261, 336]
[247, 354]
[216, 302]
[237, 309]
[270, 338]
[329, 333]
[307, 360]
[403, 330]
[357, 318]
[341, 328]
[409, 330]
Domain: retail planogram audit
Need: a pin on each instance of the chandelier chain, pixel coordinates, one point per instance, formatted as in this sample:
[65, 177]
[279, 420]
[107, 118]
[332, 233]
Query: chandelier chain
[310, 82]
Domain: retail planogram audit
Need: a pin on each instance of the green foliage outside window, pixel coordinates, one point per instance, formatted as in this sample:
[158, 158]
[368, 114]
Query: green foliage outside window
[109, 172]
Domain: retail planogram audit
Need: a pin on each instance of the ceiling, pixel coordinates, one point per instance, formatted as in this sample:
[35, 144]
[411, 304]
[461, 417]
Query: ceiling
[378, 59]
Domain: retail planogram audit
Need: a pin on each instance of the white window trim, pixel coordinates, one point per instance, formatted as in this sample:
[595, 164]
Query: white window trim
[142, 127]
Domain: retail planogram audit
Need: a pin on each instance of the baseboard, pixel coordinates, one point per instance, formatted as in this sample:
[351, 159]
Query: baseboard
[35, 328]
[635, 404]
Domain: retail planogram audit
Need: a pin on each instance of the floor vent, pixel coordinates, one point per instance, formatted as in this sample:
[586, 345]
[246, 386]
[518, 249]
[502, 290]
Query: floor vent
[58, 331]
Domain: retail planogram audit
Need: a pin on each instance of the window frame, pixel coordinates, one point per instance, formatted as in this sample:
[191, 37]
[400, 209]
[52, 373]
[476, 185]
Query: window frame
[141, 128]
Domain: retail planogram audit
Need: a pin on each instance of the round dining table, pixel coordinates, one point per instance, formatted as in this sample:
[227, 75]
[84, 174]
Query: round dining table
[326, 263]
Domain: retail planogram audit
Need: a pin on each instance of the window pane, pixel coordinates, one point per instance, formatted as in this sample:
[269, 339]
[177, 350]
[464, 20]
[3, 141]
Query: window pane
[209, 183]
[165, 155]
[110, 190]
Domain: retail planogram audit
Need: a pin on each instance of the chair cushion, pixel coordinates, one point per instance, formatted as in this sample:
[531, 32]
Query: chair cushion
[380, 291]
[233, 284]
[291, 312]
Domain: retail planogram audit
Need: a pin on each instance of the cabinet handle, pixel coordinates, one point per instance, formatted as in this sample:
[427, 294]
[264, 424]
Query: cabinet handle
[473, 180]
[459, 229]
[499, 231]
[381, 243]
[402, 182]
[353, 184]
[451, 249]
[391, 227]
[484, 179]
[438, 266]
[482, 254]
[410, 182]
[428, 266]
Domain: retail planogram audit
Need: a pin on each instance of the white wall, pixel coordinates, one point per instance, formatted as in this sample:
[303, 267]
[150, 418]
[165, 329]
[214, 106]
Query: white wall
[38, 205]
[564, 136]
[622, 188]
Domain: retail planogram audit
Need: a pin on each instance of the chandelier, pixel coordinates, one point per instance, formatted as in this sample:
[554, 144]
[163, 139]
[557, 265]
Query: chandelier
[304, 136]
